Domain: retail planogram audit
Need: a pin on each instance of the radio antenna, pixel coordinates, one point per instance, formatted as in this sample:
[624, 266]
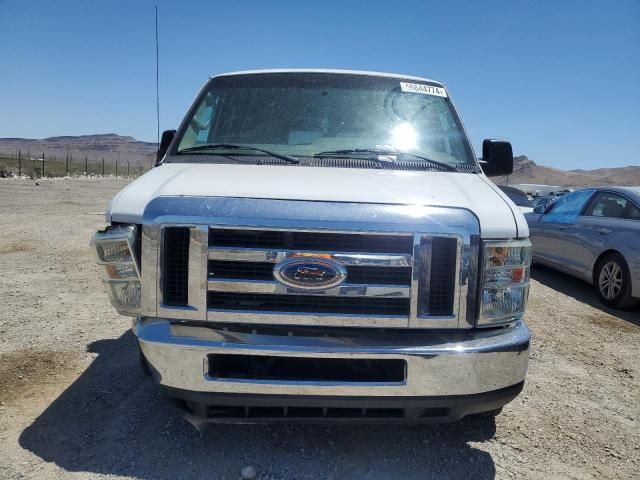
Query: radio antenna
[157, 83]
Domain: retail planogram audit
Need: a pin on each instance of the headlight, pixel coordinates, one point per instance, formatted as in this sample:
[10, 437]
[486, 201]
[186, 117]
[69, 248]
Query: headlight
[505, 281]
[124, 294]
[115, 249]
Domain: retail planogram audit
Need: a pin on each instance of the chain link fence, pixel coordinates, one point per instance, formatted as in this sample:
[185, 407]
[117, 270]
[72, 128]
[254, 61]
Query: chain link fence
[50, 166]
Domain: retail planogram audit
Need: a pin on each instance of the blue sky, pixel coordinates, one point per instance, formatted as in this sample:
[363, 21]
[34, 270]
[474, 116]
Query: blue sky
[559, 79]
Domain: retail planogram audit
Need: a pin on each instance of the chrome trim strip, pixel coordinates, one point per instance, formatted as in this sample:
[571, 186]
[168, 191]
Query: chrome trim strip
[275, 256]
[310, 229]
[252, 213]
[470, 277]
[198, 268]
[149, 269]
[416, 275]
[310, 319]
[459, 296]
[344, 290]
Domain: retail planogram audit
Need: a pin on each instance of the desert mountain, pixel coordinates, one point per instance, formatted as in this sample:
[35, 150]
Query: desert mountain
[111, 147]
[528, 171]
[95, 147]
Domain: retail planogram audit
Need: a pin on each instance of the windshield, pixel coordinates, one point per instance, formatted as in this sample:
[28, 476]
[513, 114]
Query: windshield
[307, 114]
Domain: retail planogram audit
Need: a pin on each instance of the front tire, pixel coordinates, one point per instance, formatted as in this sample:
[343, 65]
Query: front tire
[612, 282]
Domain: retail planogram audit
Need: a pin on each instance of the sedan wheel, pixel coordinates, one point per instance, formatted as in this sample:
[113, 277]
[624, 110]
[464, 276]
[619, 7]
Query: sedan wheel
[613, 282]
[610, 281]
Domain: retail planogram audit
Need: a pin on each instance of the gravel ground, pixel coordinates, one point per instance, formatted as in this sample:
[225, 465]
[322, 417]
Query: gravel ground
[73, 402]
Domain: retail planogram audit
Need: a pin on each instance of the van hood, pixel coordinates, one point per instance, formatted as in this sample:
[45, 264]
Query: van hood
[498, 216]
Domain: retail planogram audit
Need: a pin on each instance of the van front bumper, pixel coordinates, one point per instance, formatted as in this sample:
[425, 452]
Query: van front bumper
[447, 374]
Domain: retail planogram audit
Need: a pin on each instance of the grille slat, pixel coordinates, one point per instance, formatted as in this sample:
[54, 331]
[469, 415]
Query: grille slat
[308, 303]
[331, 242]
[355, 274]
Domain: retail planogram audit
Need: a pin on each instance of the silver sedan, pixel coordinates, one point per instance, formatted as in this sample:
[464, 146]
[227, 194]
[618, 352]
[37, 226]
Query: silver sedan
[593, 234]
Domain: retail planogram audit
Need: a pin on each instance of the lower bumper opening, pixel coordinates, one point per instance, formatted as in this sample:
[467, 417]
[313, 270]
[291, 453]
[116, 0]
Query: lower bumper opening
[274, 368]
[238, 408]
[218, 412]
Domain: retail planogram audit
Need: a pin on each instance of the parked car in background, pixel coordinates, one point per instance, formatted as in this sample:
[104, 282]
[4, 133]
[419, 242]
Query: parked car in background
[518, 197]
[593, 234]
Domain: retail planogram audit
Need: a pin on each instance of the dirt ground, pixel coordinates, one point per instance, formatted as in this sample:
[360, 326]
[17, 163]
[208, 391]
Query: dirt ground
[73, 402]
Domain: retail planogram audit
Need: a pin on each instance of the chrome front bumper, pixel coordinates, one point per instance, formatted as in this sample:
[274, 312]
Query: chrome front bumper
[438, 363]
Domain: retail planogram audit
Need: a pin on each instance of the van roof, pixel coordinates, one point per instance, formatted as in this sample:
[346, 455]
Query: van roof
[328, 70]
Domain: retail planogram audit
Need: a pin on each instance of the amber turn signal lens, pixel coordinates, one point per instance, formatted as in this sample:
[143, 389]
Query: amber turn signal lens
[517, 274]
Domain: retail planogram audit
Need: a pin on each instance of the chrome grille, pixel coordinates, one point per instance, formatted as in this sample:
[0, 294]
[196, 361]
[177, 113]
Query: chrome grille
[240, 273]
[398, 275]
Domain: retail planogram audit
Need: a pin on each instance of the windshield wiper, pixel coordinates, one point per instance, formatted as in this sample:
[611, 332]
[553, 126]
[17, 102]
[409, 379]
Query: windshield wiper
[232, 146]
[377, 151]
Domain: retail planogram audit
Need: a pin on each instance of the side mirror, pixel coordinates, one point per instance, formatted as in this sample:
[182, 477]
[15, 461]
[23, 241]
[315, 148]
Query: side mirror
[165, 141]
[539, 209]
[497, 158]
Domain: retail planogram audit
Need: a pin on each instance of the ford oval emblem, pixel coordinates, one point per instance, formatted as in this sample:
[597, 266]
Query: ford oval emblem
[309, 273]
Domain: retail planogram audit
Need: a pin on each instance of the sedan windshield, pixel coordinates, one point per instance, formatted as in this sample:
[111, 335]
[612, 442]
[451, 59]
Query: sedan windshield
[325, 114]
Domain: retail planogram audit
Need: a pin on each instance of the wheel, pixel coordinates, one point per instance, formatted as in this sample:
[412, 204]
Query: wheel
[612, 282]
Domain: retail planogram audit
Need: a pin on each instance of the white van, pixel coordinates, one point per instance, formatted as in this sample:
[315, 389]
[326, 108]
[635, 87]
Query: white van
[323, 245]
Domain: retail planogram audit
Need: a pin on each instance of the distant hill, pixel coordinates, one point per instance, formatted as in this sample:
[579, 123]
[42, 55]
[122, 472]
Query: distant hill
[95, 147]
[111, 147]
[528, 171]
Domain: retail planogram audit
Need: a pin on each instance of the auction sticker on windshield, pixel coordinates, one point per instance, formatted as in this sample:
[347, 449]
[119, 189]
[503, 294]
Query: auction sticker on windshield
[421, 88]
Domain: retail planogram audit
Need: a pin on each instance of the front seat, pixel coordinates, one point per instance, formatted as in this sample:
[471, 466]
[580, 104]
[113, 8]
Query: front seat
[612, 209]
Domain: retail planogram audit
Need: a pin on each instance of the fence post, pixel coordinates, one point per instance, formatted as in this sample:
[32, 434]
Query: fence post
[19, 163]
[103, 167]
[66, 165]
[86, 169]
[127, 169]
[42, 164]
[116, 168]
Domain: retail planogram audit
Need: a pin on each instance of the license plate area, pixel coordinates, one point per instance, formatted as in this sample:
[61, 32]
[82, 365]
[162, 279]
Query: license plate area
[269, 368]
